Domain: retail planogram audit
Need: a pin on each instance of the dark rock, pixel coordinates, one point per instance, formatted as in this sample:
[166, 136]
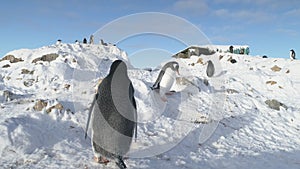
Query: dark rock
[40, 105]
[205, 81]
[274, 104]
[231, 91]
[6, 66]
[58, 106]
[67, 86]
[28, 82]
[276, 68]
[200, 60]
[233, 61]
[271, 82]
[25, 71]
[47, 57]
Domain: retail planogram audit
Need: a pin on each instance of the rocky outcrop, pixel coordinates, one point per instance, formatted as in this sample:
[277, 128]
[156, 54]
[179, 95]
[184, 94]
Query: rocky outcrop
[271, 82]
[276, 68]
[6, 66]
[48, 57]
[12, 59]
[26, 71]
[40, 105]
[58, 106]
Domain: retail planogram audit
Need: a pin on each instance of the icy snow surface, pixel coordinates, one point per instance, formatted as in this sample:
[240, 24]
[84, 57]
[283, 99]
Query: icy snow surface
[239, 129]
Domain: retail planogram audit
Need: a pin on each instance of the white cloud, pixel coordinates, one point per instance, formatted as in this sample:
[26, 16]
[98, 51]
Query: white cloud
[222, 13]
[289, 32]
[239, 2]
[294, 12]
[246, 16]
[191, 6]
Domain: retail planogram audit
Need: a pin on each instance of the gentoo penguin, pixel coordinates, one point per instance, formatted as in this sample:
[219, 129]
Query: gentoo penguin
[292, 54]
[210, 70]
[166, 78]
[84, 41]
[58, 42]
[114, 116]
[92, 39]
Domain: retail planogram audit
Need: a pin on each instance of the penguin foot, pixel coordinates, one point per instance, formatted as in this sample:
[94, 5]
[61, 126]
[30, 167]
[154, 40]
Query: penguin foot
[101, 160]
[154, 89]
[164, 98]
[170, 93]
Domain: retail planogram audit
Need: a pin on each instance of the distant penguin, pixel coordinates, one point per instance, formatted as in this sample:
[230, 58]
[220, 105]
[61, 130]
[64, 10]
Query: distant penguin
[77, 42]
[292, 54]
[114, 116]
[7, 95]
[166, 79]
[231, 49]
[84, 41]
[92, 39]
[102, 42]
[58, 42]
[210, 70]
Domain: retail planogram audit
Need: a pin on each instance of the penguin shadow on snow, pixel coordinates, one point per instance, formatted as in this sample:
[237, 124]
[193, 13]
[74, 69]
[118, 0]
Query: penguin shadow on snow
[172, 105]
[8, 96]
[28, 134]
[225, 128]
[190, 144]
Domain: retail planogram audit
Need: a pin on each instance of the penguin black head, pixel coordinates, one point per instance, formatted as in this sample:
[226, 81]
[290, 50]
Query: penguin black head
[176, 67]
[118, 64]
[173, 65]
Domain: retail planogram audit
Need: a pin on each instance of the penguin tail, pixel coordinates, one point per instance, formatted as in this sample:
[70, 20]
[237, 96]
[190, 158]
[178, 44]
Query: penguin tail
[120, 163]
[154, 88]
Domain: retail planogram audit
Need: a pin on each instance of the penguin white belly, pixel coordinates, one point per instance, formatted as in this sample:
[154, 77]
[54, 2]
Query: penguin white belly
[167, 81]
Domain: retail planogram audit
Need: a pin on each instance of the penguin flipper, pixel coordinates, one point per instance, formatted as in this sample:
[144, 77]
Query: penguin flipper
[89, 117]
[156, 84]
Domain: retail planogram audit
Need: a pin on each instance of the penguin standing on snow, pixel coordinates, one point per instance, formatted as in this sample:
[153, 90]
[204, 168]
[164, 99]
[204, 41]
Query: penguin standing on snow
[92, 39]
[84, 41]
[292, 54]
[210, 70]
[166, 79]
[114, 116]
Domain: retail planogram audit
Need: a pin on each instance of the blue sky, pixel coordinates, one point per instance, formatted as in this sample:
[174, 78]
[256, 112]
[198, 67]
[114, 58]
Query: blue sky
[269, 27]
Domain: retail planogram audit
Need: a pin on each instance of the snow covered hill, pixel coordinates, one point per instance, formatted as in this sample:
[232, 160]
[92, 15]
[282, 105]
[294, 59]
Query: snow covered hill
[246, 116]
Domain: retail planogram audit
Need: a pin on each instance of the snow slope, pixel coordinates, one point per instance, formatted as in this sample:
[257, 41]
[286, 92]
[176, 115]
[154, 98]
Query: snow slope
[245, 131]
